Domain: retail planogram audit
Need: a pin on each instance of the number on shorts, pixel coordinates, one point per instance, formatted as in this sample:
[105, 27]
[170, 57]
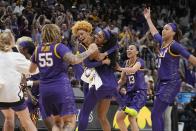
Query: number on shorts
[45, 59]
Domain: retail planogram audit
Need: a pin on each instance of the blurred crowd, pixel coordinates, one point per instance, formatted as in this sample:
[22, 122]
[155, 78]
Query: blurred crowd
[123, 17]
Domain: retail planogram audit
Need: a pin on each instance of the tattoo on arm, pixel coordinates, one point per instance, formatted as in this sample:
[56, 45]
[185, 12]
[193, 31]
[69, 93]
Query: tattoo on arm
[75, 59]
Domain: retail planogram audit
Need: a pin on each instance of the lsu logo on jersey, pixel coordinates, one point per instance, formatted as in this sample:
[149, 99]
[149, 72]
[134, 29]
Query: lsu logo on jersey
[143, 117]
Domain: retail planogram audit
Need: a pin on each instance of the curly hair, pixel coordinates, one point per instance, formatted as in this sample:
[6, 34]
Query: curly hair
[51, 33]
[6, 41]
[82, 25]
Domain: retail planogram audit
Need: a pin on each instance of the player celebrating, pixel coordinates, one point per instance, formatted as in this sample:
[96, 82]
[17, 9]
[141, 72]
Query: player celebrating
[52, 58]
[133, 97]
[169, 82]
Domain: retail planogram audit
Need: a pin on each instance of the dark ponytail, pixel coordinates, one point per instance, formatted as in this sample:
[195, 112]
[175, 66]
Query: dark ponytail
[111, 41]
[178, 35]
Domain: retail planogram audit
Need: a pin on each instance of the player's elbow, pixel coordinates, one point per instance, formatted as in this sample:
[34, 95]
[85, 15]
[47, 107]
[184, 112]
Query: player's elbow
[192, 59]
[132, 71]
[75, 61]
[31, 71]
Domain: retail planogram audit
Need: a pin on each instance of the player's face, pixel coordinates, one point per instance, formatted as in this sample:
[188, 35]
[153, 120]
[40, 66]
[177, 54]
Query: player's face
[132, 51]
[167, 32]
[83, 36]
[99, 38]
[21, 49]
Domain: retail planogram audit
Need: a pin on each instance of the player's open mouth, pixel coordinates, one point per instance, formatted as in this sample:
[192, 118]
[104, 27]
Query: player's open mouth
[83, 39]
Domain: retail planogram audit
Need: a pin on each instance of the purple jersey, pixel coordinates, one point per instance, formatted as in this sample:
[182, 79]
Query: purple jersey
[78, 68]
[136, 81]
[168, 62]
[49, 59]
[105, 72]
[56, 94]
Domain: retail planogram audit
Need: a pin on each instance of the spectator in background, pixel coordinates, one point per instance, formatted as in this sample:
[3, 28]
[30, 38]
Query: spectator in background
[114, 28]
[150, 84]
[19, 7]
[184, 19]
[190, 74]
[190, 115]
[125, 37]
[66, 33]
[160, 21]
[148, 77]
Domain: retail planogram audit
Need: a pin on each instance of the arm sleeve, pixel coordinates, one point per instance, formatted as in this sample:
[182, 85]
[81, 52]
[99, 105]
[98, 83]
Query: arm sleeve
[62, 50]
[179, 49]
[112, 49]
[158, 38]
[142, 63]
[91, 64]
[78, 71]
[33, 58]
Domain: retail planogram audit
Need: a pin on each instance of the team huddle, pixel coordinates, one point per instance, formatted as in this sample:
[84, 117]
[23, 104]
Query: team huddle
[41, 74]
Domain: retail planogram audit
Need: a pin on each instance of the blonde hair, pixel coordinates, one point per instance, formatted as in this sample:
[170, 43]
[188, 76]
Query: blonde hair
[82, 25]
[6, 41]
[51, 33]
[22, 39]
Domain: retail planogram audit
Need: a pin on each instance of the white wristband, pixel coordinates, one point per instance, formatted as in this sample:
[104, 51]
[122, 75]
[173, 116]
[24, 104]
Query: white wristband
[30, 83]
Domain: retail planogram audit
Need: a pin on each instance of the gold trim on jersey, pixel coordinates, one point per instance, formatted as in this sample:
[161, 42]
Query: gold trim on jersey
[36, 53]
[171, 53]
[129, 64]
[45, 48]
[166, 46]
[83, 46]
[55, 51]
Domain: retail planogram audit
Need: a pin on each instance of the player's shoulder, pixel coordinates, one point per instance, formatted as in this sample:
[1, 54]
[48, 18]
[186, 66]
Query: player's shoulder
[140, 60]
[16, 54]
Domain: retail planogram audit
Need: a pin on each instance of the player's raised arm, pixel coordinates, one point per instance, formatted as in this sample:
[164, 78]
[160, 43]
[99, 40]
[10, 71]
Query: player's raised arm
[147, 16]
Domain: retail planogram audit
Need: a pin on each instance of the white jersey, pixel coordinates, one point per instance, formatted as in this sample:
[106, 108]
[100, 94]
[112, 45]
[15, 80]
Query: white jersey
[12, 66]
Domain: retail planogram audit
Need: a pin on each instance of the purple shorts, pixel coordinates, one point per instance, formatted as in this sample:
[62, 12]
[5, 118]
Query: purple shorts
[167, 90]
[135, 100]
[19, 107]
[57, 99]
[42, 111]
[105, 93]
[16, 107]
[31, 106]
